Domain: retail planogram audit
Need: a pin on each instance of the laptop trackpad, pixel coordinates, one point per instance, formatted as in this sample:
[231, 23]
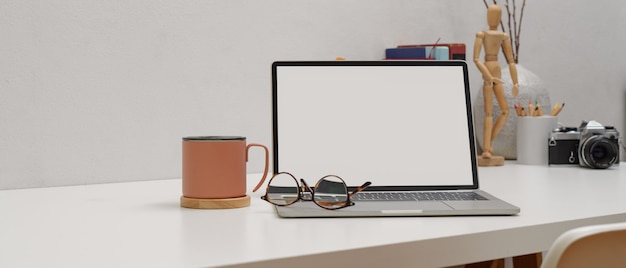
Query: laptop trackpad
[404, 205]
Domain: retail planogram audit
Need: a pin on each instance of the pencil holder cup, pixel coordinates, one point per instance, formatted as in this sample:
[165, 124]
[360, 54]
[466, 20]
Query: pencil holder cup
[533, 134]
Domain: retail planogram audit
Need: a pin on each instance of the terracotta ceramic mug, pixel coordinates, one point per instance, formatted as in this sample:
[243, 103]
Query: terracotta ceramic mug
[214, 167]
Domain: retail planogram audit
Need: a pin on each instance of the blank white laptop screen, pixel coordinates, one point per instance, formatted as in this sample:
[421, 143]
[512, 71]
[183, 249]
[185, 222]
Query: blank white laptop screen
[392, 123]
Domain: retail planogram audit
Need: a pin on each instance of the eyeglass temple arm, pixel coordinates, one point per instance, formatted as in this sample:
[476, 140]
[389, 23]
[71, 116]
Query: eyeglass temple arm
[360, 188]
[305, 187]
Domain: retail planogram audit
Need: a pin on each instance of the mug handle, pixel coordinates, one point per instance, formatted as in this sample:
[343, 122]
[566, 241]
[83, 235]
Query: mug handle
[266, 162]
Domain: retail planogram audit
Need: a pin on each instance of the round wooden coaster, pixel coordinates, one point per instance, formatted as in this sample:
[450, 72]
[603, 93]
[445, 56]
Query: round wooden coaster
[237, 202]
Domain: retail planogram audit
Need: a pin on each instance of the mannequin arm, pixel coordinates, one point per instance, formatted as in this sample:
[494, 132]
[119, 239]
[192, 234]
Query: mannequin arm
[508, 53]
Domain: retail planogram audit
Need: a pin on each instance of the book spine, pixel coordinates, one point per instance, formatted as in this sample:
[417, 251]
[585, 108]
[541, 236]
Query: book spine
[406, 53]
[439, 53]
[457, 51]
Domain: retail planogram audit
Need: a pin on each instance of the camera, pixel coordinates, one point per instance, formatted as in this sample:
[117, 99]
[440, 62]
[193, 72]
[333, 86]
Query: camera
[591, 145]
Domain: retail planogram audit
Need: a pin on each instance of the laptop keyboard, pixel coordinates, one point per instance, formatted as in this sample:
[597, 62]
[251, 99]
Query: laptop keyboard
[419, 196]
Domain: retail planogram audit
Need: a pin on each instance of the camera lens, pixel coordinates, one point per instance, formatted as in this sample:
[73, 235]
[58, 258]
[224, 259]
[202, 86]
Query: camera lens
[598, 152]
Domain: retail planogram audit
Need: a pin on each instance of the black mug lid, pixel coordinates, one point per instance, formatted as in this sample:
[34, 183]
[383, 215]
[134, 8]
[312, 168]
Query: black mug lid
[214, 138]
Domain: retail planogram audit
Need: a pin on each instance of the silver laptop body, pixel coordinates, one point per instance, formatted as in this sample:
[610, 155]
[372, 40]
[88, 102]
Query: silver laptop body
[406, 126]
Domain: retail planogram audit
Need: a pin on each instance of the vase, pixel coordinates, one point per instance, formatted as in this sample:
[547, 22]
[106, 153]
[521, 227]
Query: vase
[531, 88]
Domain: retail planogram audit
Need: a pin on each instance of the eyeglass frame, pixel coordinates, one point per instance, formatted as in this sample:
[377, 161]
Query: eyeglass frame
[305, 187]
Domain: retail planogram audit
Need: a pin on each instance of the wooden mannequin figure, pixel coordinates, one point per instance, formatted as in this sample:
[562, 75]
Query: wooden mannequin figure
[493, 40]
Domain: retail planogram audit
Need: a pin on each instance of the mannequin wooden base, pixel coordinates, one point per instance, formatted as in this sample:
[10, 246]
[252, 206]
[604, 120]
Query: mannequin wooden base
[490, 162]
[237, 202]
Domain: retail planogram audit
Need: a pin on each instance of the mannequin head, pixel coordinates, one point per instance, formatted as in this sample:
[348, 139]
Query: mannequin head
[494, 14]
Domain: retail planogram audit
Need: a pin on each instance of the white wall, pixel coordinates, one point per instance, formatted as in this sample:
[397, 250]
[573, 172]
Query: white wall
[103, 91]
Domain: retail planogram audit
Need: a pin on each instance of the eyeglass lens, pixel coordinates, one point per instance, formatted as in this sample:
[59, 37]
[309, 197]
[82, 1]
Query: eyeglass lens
[331, 192]
[282, 190]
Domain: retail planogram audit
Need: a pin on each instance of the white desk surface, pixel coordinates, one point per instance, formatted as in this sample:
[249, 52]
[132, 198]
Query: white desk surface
[140, 224]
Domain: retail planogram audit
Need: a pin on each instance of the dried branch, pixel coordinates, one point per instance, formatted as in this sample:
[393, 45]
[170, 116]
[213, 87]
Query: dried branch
[516, 43]
[519, 30]
[508, 20]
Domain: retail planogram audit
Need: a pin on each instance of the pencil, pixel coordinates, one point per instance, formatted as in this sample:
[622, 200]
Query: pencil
[560, 108]
[531, 109]
[518, 111]
[538, 110]
[554, 109]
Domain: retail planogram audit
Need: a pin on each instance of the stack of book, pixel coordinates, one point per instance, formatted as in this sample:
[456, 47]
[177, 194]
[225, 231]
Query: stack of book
[450, 51]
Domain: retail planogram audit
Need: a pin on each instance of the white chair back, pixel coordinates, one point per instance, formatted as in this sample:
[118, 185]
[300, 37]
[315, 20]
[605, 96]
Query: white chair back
[591, 246]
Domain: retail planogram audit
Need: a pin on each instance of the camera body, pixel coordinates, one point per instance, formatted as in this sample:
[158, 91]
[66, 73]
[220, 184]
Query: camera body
[591, 145]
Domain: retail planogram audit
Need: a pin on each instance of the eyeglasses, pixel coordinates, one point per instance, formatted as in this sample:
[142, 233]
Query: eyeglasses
[330, 192]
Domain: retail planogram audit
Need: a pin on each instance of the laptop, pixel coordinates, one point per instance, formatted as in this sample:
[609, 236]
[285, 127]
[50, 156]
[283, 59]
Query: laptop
[406, 126]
